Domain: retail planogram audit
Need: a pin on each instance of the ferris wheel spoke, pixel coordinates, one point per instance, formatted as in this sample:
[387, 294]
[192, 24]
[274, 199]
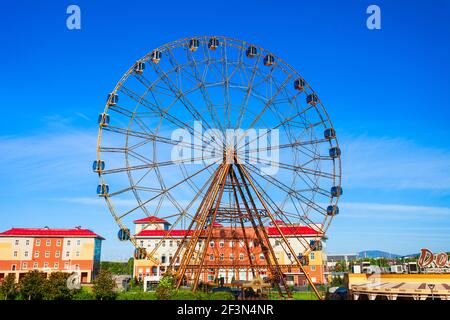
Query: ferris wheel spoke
[183, 99]
[288, 190]
[155, 164]
[268, 103]
[166, 190]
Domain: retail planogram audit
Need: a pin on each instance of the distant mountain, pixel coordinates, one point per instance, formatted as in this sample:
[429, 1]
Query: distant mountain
[377, 254]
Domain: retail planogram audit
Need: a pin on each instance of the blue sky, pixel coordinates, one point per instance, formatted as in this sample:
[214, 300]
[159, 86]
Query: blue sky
[387, 92]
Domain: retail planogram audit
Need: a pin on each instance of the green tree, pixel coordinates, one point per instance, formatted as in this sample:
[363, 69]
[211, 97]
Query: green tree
[32, 285]
[56, 287]
[104, 286]
[8, 287]
[164, 291]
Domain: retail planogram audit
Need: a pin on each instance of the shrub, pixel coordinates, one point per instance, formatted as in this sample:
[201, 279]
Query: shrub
[184, 295]
[8, 288]
[164, 291]
[32, 285]
[104, 286]
[221, 295]
[83, 294]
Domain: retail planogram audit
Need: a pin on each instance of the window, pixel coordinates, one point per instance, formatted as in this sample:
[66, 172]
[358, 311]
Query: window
[311, 256]
[38, 242]
[35, 265]
[77, 266]
[211, 257]
[16, 242]
[231, 256]
[313, 268]
[141, 243]
[261, 256]
[15, 253]
[289, 255]
[163, 243]
[48, 243]
[170, 243]
[77, 253]
[56, 265]
[231, 244]
[221, 244]
[67, 254]
[24, 265]
[163, 258]
[241, 243]
[241, 256]
[13, 267]
[58, 243]
[178, 243]
[57, 254]
[78, 242]
[26, 254]
[47, 254]
[45, 264]
[68, 242]
[27, 243]
[221, 257]
[313, 279]
[211, 244]
[66, 265]
[36, 254]
[252, 256]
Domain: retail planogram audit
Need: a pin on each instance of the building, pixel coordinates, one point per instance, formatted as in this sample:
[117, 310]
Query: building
[385, 286]
[50, 250]
[227, 252]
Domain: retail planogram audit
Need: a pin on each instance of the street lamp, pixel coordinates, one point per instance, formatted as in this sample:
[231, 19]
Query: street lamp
[431, 286]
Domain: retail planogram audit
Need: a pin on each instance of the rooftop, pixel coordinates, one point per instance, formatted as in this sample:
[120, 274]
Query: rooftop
[48, 232]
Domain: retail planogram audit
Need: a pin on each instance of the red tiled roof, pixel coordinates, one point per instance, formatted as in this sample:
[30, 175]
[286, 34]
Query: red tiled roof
[46, 232]
[151, 219]
[288, 231]
[272, 231]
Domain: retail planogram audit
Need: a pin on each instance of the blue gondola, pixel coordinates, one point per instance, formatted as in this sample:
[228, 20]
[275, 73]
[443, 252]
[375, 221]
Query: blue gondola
[156, 56]
[103, 119]
[251, 51]
[124, 234]
[269, 60]
[193, 45]
[98, 165]
[139, 67]
[332, 210]
[336, 191]
[299, 84]
[213, 43]
[316, 245]
[140, 253]
[303, 260]
[113, 99]
[102, 190]
[335, 152]
[312, 99]
[329, 133]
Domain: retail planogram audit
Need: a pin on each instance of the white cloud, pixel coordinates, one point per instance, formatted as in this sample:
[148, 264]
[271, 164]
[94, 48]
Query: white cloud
[388, 163]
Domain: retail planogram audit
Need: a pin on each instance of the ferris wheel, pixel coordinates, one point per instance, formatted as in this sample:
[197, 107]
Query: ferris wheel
[213, 131]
